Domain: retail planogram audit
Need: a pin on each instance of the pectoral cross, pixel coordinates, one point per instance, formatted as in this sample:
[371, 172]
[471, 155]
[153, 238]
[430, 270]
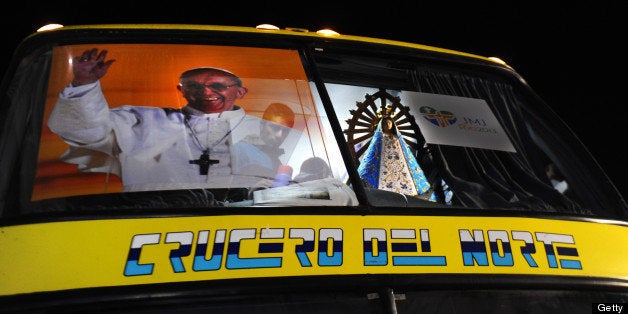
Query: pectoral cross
[204, 162]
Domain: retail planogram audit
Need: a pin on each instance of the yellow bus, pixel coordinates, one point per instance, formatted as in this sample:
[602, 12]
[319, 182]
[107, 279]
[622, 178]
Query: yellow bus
[194, 168]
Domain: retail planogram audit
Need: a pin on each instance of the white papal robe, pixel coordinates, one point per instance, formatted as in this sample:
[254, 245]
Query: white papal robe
[150, 148]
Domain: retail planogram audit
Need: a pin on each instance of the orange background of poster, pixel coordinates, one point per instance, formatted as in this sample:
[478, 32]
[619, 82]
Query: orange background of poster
[147, 75]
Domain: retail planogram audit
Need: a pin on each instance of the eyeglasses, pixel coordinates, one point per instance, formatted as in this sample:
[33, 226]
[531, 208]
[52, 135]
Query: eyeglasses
[216, 87]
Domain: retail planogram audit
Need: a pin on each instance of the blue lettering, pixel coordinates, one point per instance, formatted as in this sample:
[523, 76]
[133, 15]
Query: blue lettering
[133, 267]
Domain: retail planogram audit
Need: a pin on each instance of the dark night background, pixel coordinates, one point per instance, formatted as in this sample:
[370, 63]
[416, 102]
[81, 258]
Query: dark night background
[571, 54]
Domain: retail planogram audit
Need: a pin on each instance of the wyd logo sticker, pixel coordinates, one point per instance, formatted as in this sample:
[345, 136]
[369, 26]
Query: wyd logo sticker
[438, 118]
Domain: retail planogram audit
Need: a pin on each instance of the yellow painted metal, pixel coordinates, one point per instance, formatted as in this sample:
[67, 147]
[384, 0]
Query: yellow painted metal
[82, 254]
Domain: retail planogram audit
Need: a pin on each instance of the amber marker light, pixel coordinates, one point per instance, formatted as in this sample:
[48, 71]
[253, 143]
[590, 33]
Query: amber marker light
[327, 32]
[498, 60]
[269, 27]
[49, 27]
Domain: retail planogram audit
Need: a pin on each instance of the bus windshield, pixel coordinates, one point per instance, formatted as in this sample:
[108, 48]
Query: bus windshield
[417, 134]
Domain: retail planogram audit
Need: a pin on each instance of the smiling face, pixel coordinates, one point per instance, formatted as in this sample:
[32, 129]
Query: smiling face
[211, 90]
